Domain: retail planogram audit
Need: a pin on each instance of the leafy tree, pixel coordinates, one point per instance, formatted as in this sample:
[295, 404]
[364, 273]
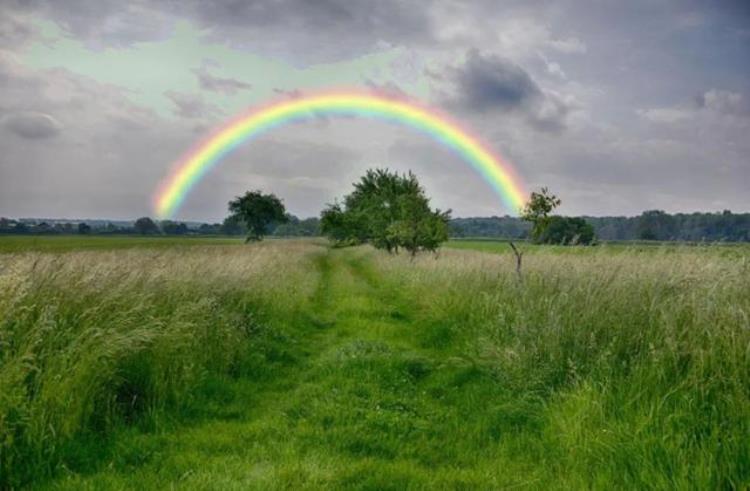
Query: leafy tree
[258, 212]
[655, 225]
[232, 225]
[537, 211]
[209, 229]
[567, 230]
[84, 228]
[339, 225]
[173, 228]
[388, 210]
[307, 227]
[145, 226]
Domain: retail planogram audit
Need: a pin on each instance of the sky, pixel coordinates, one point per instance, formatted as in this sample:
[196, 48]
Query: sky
[616, 107]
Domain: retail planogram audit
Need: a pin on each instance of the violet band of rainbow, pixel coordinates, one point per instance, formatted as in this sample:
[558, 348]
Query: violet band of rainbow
[197, 163]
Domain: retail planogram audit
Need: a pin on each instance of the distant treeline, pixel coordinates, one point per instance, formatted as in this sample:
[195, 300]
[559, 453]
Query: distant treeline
[650, 225]
[295, 227]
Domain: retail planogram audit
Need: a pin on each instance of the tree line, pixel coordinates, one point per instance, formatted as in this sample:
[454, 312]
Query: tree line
[391, 211]
[649, 225]
[292, 227]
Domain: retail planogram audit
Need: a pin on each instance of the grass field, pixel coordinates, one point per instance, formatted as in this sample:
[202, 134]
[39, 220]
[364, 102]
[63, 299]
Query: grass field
[62, 243]
[291, 365]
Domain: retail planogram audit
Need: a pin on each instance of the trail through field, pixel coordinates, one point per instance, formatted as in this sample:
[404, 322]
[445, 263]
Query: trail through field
[350, 397]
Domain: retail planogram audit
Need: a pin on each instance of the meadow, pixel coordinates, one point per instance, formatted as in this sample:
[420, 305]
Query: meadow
[288, 364]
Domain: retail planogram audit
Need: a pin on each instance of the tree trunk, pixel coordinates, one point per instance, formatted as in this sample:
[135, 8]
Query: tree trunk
[519, 257]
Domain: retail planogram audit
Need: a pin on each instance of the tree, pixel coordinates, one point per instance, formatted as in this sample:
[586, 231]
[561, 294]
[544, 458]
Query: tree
[655, 225]
[173, 228]
[567, 230]
[258, 212]
[233, 226]
[388, 210]
[84, 228]
[145, 226]
[537, 211]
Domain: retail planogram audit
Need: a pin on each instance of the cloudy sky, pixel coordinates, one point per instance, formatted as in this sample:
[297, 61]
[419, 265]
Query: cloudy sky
[616, 106]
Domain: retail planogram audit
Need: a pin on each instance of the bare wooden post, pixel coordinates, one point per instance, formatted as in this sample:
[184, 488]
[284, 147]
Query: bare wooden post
[519, 256]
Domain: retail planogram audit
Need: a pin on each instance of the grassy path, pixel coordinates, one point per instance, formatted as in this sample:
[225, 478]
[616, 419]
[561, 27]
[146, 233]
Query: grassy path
[346, 398]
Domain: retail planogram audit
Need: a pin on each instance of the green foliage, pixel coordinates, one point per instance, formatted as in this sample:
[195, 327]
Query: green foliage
[537, 211]
[389, 211]
[655, 225]
[173, 228]
[258, 212]
[84, 228]
[233, 225]
[294, 227]
[146, 226]
[507, 227]
[567, 230]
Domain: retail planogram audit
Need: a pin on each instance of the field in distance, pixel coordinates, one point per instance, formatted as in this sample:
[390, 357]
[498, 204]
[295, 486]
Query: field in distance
[205, 363]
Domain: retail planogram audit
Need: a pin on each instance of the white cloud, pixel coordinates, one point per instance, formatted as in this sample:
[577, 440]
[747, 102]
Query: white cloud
[666, 115]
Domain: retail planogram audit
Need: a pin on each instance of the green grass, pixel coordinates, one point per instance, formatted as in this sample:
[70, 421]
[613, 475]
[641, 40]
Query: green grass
[290, 365]
[61, 243]
[735, 249]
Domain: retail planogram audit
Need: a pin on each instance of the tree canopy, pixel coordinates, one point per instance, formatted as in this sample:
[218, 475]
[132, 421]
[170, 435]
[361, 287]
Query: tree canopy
[258, 212]
[389, 211]
[146, 226]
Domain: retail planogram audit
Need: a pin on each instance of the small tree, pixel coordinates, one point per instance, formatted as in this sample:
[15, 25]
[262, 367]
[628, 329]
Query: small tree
[258, 212]
[537, 211]
[145, 226]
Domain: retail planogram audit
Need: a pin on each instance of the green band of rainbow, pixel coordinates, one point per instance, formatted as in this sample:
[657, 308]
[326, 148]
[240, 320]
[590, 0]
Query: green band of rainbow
[194, 166]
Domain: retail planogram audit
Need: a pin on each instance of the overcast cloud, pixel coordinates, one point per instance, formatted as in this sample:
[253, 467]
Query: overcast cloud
[616, 106]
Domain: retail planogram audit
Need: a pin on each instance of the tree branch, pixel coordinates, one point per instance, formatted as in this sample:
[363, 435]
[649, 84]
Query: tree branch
[519, 257]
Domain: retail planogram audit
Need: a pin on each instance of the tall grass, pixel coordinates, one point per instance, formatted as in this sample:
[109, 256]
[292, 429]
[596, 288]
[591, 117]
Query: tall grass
[601, 368]
[92, 340]
[637, 363]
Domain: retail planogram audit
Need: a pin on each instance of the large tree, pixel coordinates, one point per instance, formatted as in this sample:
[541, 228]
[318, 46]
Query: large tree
[258, 212]
[146, 226]
[388, 210]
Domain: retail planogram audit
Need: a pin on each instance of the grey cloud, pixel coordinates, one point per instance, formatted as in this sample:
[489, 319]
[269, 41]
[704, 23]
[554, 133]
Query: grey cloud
[291, 94]
[486, 83]
[724, 102]
[223, 85]
[300, 29]
[15, 31]
[611, 158]
[489, 84]
[32, 125]
[190, 105]
[320, 30]
[388, 89]
[100, 164]
[103, 22]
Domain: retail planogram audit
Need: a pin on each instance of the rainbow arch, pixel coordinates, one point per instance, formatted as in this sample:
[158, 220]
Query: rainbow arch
[194, 165]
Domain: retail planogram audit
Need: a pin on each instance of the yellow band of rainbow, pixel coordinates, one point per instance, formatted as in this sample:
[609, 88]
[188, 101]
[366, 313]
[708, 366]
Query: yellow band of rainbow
[195, 164]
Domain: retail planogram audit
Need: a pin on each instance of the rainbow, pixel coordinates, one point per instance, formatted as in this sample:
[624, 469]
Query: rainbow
[188, 171]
